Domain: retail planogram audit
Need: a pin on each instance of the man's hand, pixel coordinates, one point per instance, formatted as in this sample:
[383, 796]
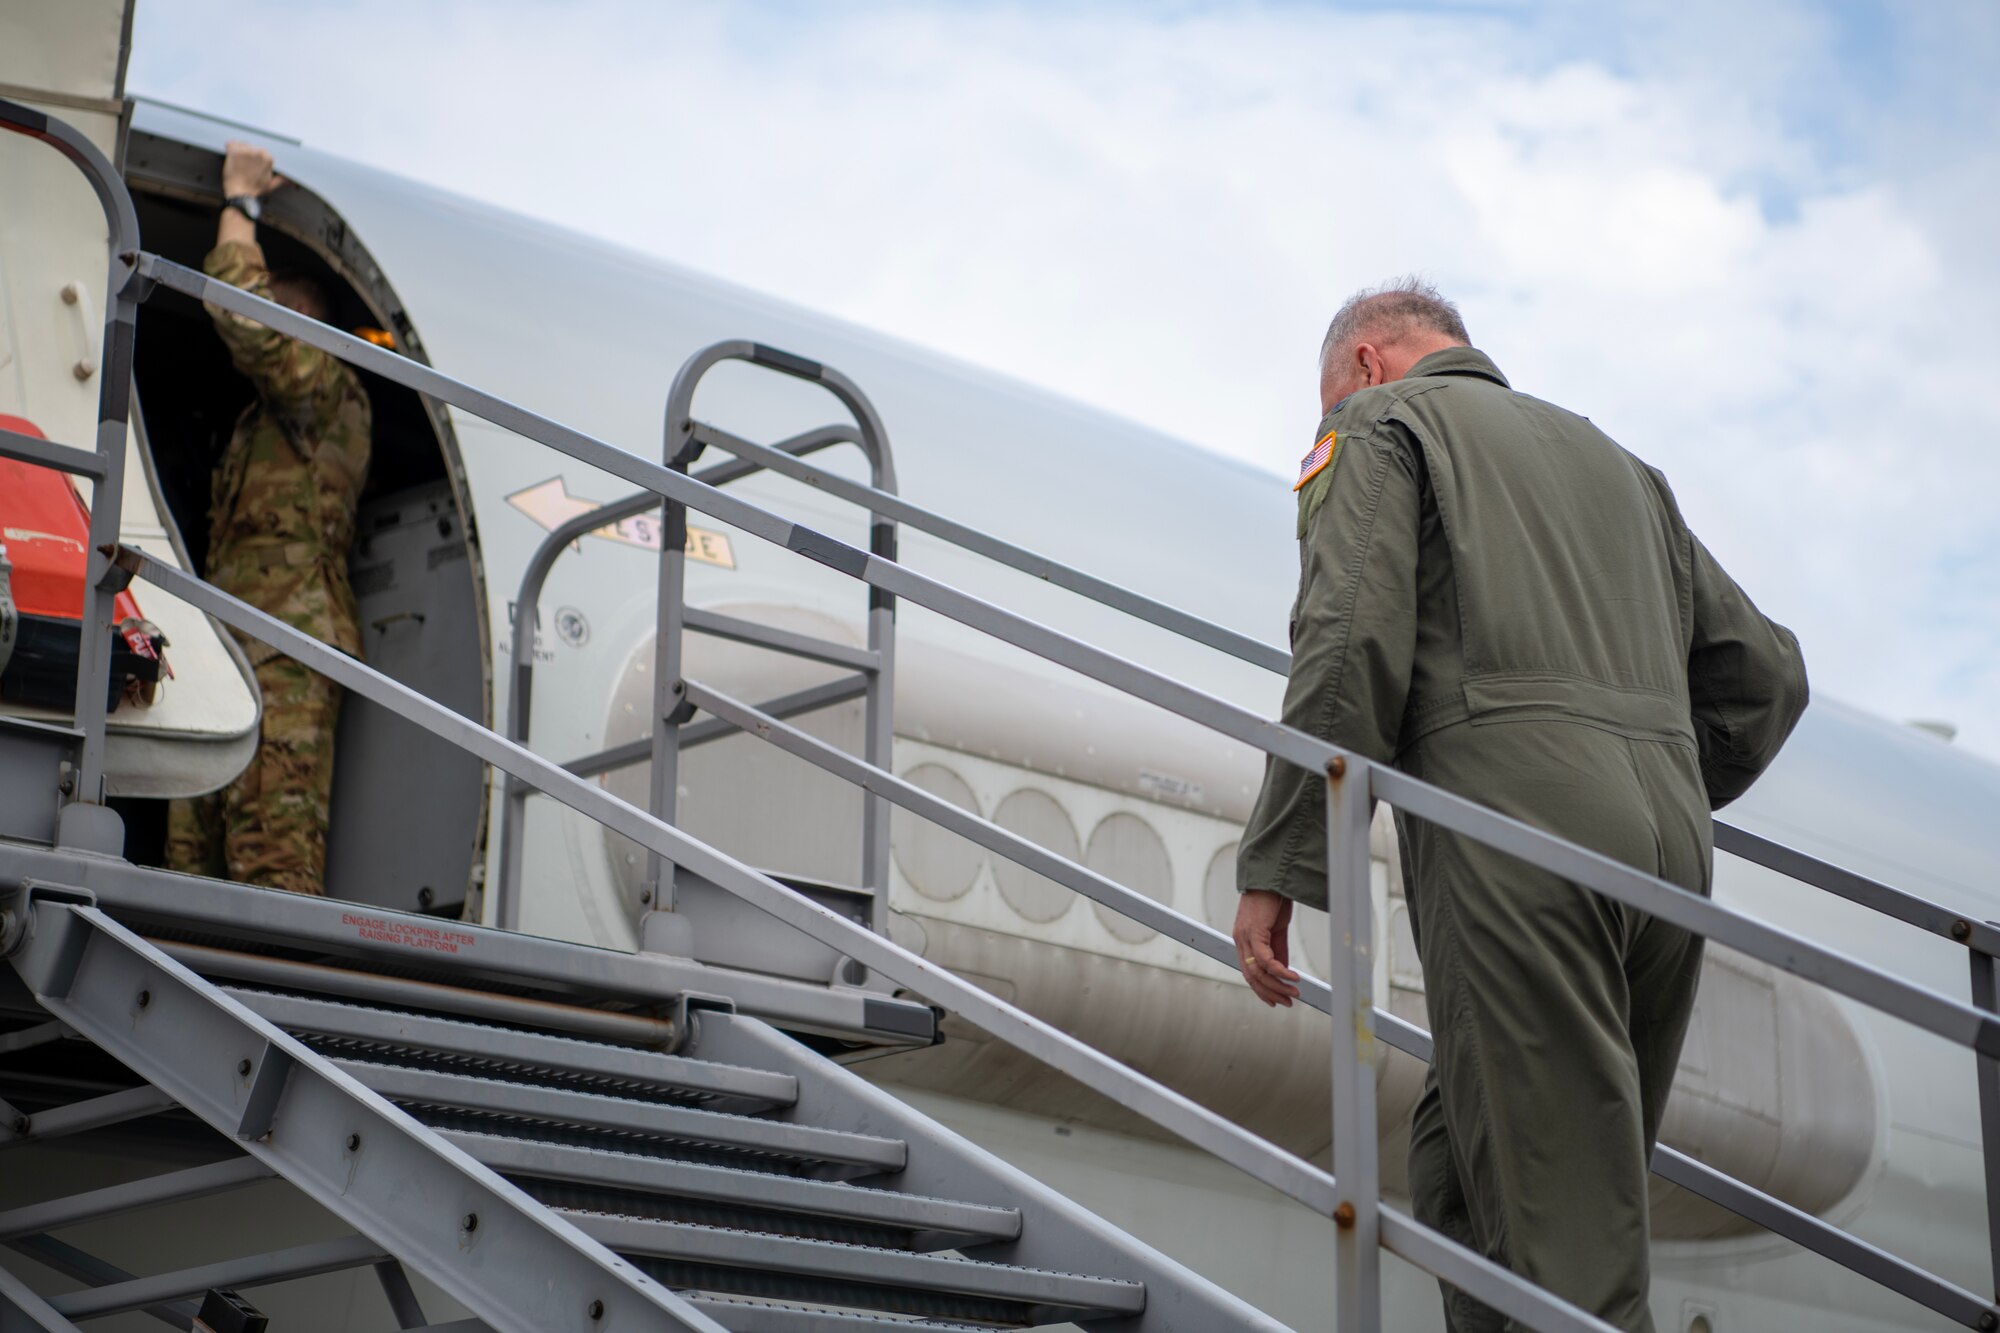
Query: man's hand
[1263, 946]
[246, 169]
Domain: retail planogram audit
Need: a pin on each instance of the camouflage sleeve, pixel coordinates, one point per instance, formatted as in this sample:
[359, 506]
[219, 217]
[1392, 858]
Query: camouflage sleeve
[288, 374]
[1354, 637]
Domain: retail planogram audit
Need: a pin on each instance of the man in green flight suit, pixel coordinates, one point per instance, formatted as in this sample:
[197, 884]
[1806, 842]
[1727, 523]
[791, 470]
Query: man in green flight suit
[281, 519]
[1496, 598]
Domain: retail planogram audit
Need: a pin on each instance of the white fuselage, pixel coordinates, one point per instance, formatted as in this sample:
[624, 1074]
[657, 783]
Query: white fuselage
[1855, 1115]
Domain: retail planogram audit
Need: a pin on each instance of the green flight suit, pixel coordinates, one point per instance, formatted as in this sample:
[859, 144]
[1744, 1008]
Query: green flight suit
[1496, 598]
[281, 519]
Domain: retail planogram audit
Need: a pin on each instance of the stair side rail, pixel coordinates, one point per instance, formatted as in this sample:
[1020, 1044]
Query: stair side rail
[85, 821]
[1172, 1111]
[516, 1265]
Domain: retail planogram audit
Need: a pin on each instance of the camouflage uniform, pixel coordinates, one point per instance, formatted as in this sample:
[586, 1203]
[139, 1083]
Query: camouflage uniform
[281, 519]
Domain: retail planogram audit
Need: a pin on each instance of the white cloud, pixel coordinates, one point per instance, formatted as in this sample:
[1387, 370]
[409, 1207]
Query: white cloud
[1759, 266]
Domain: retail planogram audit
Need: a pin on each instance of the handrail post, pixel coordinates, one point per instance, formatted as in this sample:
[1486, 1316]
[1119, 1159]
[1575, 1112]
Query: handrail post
[1350, 906]
[96, 827]
[1986, 995]
[669, 705]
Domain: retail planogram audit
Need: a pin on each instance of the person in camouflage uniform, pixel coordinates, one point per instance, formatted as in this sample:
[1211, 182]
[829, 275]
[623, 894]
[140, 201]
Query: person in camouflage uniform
[281, 519]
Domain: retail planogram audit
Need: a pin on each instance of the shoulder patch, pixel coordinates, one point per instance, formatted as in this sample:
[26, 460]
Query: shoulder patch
[1315, 462]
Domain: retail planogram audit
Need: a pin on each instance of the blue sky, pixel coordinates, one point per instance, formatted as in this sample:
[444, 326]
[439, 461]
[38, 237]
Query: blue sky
[1751, 239]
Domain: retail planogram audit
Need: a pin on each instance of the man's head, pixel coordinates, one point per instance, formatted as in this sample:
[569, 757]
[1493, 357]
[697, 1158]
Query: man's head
[1380, 333]
[296, 289]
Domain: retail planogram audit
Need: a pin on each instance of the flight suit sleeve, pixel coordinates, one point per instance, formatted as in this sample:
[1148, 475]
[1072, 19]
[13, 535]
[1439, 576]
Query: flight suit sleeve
[290, 376]
[1354, 636]
[1746, 681]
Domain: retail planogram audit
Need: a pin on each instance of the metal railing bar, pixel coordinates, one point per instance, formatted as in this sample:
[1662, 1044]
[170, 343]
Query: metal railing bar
[527, 611]
[1763, 851]
[114, 410]
[701, 733]
[808, 700]
[798, 446]
[39, 1035]
[46, 453]
[1849, 1251]
[34, 1308]
[1019, 558]
[1480, 1277]
[1985, 991]
[1144, 1096]
[67, 1259]
[611, 758]
[1930, 1010]
[1956, 1021]
[325, 1256]
[1201, 1127]
[193, 1183]
[1898, 903]
[1698, 1177]
[738, 630]
[1271, 737]
[528, 600]
[113, 1108]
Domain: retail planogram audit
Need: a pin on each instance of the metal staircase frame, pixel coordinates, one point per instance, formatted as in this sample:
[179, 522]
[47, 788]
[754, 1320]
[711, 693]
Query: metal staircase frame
[1349, 1196]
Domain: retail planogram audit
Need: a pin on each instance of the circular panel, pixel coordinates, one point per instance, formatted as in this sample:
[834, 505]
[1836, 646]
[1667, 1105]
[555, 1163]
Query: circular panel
[1218, 890]
[1124, 847]
[939, 865]
[1038, 817]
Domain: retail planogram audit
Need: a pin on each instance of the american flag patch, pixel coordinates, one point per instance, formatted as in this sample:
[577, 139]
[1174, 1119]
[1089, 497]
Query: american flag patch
[1322, 454]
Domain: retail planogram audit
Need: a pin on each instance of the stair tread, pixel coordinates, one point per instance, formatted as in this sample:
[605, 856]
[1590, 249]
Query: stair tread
[749, 1188]
[532, 1102]
[867, 1264]
[473, 1042]
[743, 1316]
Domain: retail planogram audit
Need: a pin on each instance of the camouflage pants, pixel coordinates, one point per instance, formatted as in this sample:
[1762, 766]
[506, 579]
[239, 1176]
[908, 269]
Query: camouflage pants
[269, 826]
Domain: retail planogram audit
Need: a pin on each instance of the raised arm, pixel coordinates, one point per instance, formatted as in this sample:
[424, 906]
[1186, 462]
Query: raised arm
[288, 374]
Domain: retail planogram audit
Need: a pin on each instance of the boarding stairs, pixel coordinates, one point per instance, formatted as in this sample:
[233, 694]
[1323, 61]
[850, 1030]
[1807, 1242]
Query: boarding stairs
[549, 1165]
[557, 1137]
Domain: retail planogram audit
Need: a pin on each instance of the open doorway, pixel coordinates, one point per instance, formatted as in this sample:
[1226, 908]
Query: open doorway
[408, 812]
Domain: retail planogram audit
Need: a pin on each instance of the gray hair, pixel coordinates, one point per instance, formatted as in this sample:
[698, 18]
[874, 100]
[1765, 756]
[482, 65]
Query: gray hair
[1393, 312]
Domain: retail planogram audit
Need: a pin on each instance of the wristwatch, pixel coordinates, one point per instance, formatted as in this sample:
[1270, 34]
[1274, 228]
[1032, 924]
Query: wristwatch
[247, 204]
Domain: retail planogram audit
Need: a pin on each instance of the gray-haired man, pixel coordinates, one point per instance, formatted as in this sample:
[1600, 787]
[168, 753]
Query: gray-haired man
[1496, 598]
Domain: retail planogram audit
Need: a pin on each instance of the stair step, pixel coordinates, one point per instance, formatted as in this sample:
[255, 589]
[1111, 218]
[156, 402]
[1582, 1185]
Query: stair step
[842, 1274]
[943, 1222]
[763, 1317]
[521, 1055]
[561, 1106]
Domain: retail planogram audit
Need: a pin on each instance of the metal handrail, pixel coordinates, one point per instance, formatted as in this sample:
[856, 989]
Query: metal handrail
[878, 722]
[1739, 842]
[1794, 1224]
[506, 891]
[1960, 1023]
[85, 817]
[1172, 1111]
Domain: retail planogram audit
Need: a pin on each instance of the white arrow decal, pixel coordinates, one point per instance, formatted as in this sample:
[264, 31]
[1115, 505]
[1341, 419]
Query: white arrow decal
[550, 504]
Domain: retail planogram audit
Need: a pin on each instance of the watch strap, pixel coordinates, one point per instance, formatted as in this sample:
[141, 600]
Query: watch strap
[246, 204]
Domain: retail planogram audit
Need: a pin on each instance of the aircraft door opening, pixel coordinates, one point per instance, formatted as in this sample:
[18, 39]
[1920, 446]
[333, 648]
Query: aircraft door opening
[408, 811]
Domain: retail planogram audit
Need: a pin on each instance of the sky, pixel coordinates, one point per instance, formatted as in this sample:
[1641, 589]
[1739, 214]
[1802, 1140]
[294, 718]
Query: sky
[1752, 240]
